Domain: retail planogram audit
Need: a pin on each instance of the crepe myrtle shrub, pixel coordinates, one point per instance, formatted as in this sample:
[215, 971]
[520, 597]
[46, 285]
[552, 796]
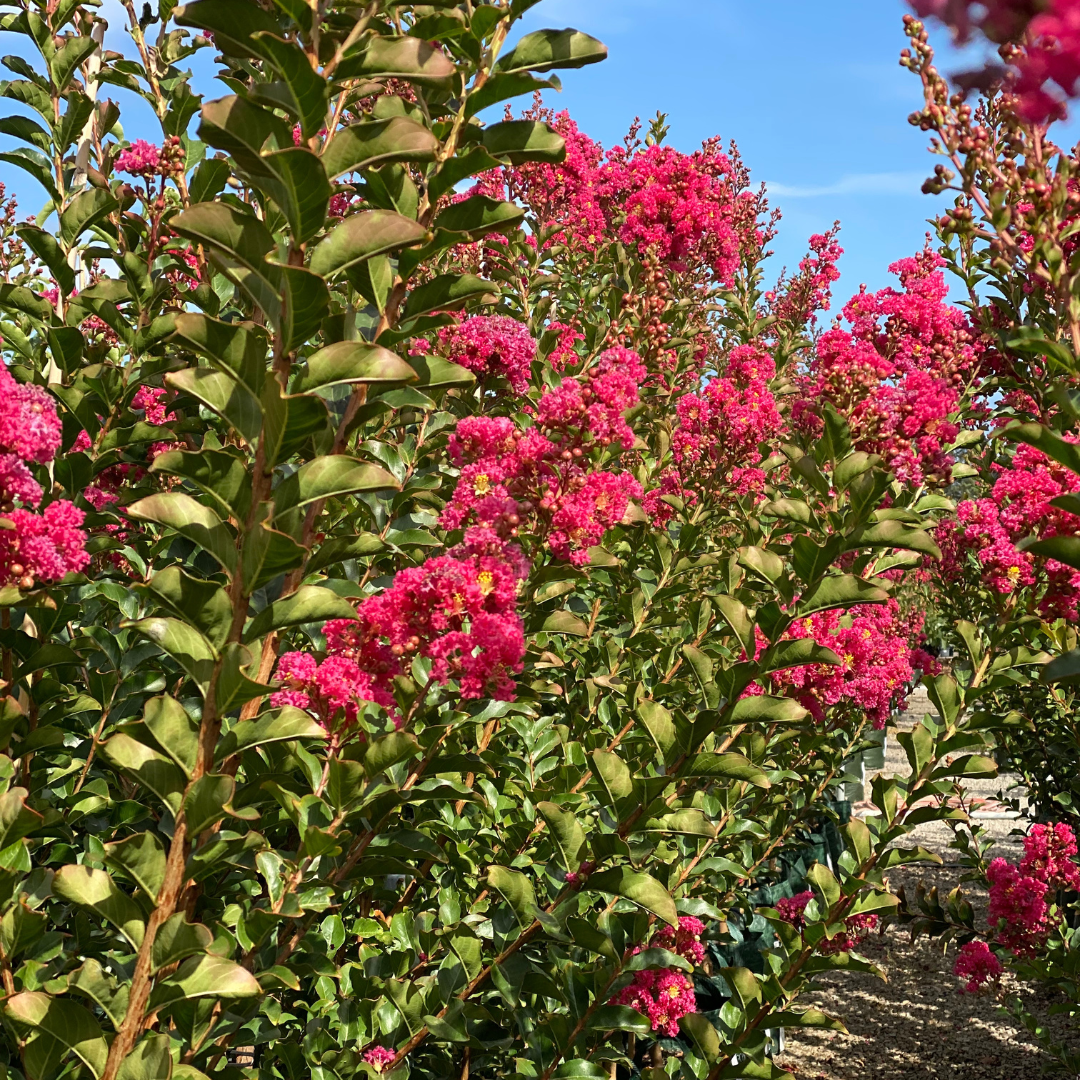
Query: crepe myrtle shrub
[1006, 583]
[426, 620]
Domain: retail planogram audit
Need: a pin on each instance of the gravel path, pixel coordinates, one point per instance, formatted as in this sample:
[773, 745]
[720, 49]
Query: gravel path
[918, 1024]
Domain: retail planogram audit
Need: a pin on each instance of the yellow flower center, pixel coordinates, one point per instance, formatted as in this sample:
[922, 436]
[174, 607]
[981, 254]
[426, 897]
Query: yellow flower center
[482, 484]
[486, 580]
[1013, 574]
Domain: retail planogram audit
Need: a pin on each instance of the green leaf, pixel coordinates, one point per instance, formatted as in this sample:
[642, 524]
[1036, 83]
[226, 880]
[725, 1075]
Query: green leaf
[840, 591]
[362, 236]
[150, 1060]
[619, 1018]
[290, 422]
[387, 750]
[243, 130]
[297, 182]
[94, 889]
[659, 724]
[522, 141]
[45, 247]
[447, 292]
[183, 643]
[203, 603]
[614, 775]
[544, 50]
[354, 362]
[567, 831]
[478, 216]
[37, 165]
[206, 802]
[305, 302]
[765, 709]
[174, 731]
[239, 349]
[1049, 442]
[178, 939]
[400, 58]
[153, 770]
[91, 981]
[517, 890]
[221, 474]
[727, 767]
[895, 534]
[681, 823]
[702, 1034]
[344, 547]
[738, 618]
[16, 818]
[190, 519]
[69, 57]
[433, 372]
[283, 725]
[330, 477]
[57, 1027]
[143, 858]
[743, 985]
[234, 25]
[205, 977]
[307, 91]
[640, 889]
[85, 211]
[309, 604]
[20, 928]
[503, 85]
[565, 622]
[222, 394]
[377, 142]
[1062, 669]
[268, 554]
[1063, 548]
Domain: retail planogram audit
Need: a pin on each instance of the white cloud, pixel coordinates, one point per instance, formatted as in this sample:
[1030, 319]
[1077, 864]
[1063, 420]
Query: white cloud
[883, 183]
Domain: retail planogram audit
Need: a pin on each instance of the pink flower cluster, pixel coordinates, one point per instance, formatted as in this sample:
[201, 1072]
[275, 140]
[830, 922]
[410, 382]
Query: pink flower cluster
[720, 431]
[146, 160]
[37, 547]
[875, 672]
[796, 302]
[332, 690]
[457, 610]
[492, 345]
[987, 531]
[692, 210]
[976, 965]
[1020, 896]
[792, 910]
[665, 995]
[536, 479]
[898, 374]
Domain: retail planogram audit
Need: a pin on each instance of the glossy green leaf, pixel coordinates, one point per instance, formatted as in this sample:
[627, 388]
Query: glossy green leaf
[57, 1027]
[361, 236]
[94, 889]
[330, 477]
[399, 58]
[153, 770]
[640, 889]
[544, 50]
[188, 517]
[309, 604]
[222, 394]
[354, 362]
[377, 142]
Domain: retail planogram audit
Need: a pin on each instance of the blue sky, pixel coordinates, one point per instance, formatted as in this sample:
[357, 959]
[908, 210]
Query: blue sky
[812, 93]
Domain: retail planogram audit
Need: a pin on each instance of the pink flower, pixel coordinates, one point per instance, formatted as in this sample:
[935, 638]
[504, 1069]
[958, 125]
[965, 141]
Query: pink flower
[1018, 907]
[333, 690]
[29, 425]
[1049, 853]
[16, 482]
[976, 964]
[792, 908]
[686, 941]
[140, 159]
[492, 345]
[379, 1057]
[42, 547]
